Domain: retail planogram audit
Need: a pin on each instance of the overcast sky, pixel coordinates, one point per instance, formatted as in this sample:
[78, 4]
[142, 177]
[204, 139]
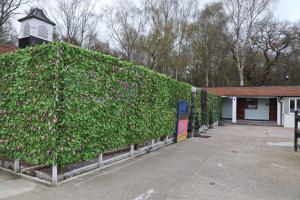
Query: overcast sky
[283, 10]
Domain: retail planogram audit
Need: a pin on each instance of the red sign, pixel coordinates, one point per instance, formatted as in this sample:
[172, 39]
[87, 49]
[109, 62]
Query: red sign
[182, 131]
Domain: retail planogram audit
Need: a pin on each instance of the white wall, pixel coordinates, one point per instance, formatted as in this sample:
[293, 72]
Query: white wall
[262, 111]
[227, 108]
[279, 114]
[288, 118]
[34, 25]
[234, 109]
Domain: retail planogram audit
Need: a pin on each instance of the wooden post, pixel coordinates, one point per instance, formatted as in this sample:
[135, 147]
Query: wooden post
[54, 175]
[17, 165]
[100, 160]
[131, 150]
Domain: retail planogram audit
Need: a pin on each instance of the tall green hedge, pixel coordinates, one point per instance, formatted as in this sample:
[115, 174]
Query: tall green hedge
[198, 103]
[28, 110]
[214, 108]
[62, 104]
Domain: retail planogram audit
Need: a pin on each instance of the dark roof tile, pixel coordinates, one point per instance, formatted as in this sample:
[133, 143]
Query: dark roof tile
[39, 14]
[7, 48]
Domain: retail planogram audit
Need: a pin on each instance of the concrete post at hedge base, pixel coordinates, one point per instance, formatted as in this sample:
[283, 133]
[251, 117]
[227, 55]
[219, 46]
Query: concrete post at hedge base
[131, 150]
[17, 165]
[101, 160]
[166, 140]
[54, 175]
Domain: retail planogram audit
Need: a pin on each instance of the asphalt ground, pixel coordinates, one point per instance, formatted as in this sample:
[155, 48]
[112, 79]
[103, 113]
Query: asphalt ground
[236, 162]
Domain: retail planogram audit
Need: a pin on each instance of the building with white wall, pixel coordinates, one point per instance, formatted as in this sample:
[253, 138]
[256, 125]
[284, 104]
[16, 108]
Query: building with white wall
[265, 103]
[36, 28]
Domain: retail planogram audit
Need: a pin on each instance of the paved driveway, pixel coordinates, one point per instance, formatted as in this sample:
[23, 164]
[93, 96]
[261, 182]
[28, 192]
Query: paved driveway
[236, 162]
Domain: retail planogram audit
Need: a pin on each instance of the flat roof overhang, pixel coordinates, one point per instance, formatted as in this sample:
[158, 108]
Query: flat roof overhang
[256, 92]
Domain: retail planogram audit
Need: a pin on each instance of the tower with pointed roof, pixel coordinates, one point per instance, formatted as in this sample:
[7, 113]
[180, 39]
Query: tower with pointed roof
[36, 28]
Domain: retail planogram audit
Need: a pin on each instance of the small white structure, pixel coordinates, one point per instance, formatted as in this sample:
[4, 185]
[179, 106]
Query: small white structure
[272, 104]
[36, 28]
[290, 105]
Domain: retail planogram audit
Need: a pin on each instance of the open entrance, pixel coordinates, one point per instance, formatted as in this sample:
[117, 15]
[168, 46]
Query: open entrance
[258, 109]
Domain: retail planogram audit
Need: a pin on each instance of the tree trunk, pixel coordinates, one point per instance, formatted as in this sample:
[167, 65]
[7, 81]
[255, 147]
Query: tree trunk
[241, 73]
[240, 65]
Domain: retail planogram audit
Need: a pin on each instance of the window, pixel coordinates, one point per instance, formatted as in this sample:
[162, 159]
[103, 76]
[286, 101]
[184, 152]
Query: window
[294, 105]
[43, 32]
[251, 104]
[26, 31]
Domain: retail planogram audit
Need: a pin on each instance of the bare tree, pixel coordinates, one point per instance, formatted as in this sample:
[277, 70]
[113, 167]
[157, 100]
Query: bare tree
[151, 32]
[212, 50]
[271, 40]
[88, 19]
[243, 14]
[166, 40]
[8, 9]
[126, 22]
[208, 42]
[74, 19]
[93, 43]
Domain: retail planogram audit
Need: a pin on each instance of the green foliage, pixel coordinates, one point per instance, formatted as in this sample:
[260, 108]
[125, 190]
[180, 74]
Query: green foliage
[27, 105]
[198, 104]
[214, 106]
[64, 104]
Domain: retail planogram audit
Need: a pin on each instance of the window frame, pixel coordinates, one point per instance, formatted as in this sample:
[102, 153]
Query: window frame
[253, 102]
[297, 107]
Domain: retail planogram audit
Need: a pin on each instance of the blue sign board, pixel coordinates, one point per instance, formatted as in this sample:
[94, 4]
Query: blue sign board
[182, 121]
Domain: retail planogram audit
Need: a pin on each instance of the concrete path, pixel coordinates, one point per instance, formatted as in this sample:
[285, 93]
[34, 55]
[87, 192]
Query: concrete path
[236, 162]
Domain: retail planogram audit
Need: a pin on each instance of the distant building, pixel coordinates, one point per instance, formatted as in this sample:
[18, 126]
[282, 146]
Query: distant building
[272, 104]
[36, 28]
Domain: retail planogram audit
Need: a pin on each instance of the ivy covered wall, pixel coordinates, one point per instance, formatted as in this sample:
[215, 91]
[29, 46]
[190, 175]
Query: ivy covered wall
[62, 104]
